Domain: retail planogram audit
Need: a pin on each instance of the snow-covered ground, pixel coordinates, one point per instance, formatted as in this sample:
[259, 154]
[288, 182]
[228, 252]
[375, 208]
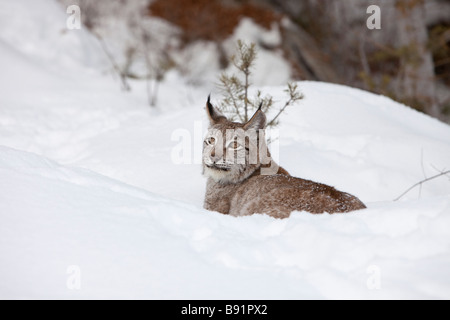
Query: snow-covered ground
[93, 202]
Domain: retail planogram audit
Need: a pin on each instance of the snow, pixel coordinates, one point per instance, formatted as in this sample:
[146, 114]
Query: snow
[89, 182]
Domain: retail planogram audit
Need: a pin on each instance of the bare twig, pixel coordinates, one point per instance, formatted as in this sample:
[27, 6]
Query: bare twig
[122, 75]
[421, 164]
[421, 182]
[145, 41]
[294, 96]
[423, 170]
[280, 112]
[440, 171]
[363, 57]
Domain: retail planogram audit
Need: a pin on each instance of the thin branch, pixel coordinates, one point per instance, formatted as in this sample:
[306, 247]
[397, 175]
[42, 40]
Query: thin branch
[421, 164]
[246, 72]
[421, 182]
[280, 112]
[440, 171]
[363, 57]
[226, 85]
[423, 171]
[294, 96]
[145, 41]
[122, 76]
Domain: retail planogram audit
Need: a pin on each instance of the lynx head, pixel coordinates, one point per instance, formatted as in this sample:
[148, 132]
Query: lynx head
[233, 151]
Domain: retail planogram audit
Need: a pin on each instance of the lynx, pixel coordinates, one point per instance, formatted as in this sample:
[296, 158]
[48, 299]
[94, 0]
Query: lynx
[243, 179]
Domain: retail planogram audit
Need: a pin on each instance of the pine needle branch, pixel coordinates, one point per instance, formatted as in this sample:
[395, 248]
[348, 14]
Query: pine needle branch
[294, 96]
[236, 102]
[230, 86]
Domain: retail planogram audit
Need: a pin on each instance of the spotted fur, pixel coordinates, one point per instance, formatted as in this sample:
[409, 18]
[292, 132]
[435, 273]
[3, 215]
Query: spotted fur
[240, 183]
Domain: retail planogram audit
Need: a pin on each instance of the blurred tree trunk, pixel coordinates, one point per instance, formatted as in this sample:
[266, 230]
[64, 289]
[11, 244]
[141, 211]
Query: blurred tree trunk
[417, 79]
[306, 56]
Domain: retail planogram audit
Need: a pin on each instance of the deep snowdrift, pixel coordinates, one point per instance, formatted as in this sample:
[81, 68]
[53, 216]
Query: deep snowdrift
[129, 243]
[88, 182]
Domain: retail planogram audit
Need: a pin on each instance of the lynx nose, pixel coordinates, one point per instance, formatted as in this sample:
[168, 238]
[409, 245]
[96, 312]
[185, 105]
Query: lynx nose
[215, 159]
[215, 156]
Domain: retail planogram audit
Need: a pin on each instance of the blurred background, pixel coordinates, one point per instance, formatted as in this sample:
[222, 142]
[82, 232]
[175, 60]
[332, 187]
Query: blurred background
[408, 59]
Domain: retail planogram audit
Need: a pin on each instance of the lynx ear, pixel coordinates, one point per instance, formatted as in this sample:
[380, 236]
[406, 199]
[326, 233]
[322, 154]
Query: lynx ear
[213, 115]
[258, 121]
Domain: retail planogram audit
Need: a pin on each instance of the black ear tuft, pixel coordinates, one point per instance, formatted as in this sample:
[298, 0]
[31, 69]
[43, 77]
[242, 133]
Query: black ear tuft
[209, 105]
[213, 115]
[258, 121]
[260, 106]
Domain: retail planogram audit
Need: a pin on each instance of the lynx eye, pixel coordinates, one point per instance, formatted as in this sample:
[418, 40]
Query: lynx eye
[234, 145]
[210, 141]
